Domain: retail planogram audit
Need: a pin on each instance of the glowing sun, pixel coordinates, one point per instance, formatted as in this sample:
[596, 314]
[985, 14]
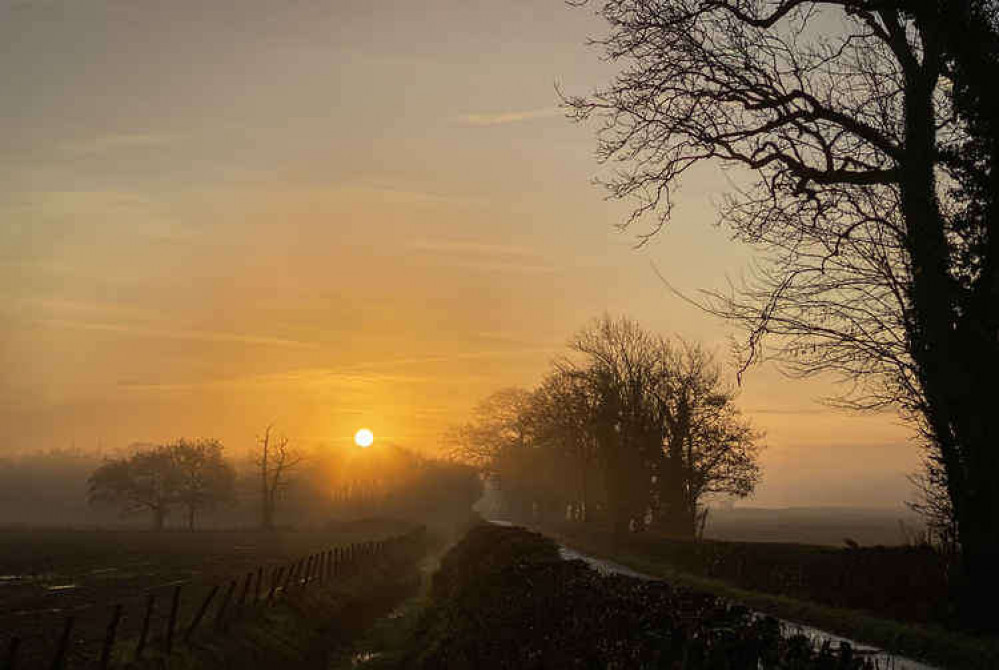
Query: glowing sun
[364, 438]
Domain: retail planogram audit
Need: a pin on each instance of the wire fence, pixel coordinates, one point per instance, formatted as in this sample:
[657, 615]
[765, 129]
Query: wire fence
[158, 620]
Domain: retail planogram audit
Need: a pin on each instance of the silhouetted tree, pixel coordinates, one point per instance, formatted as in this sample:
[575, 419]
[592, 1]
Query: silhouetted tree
[499, 423]
[710, 448]
[666, 425]
[867, 132]
[625, 369]
[146, 480]
[629, 420]
[563, 411]
[204, 478]
[933, 504]
[276, 461]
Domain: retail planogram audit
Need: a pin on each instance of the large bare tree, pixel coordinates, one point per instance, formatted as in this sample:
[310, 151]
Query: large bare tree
[863, 135]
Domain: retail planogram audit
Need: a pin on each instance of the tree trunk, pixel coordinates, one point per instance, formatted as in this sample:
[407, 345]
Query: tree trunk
[190, 517]
[266, 510]
[957, 357]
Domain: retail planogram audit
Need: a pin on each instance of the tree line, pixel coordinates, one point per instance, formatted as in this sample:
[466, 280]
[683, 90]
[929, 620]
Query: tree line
[281, 483]
[190, 474]
[632, 428]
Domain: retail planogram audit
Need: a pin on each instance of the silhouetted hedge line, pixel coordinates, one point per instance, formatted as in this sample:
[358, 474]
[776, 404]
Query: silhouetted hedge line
[504, 599]
[902, 583]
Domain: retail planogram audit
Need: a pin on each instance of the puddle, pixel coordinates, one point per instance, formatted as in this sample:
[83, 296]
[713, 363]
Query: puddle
[363, 658]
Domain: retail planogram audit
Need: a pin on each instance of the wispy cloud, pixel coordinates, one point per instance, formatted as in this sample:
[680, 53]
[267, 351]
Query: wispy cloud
[475, 248]
[408, 195]
[503, 118]
[103, 144]
[350, 376]
[132, 212]
[486, 256]
[180, 333]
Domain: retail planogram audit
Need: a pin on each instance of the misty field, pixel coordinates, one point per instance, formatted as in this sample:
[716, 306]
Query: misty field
[47, 575]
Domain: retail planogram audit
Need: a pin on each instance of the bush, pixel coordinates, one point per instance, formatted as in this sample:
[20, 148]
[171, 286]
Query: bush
[503, 599]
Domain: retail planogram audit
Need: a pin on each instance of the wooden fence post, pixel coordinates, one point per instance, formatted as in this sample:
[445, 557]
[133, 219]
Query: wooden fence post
[256, 585]
[109, 637]
[220, 617]
[288, 578]
[59, 660]
[172, 621]
[275, 578]
[144, 633]
[242, 594]
[308, 570]
[201, 613]
[15, 643]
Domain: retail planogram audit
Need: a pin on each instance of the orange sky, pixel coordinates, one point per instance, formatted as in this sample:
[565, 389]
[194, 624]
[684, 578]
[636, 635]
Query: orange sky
[333, 214]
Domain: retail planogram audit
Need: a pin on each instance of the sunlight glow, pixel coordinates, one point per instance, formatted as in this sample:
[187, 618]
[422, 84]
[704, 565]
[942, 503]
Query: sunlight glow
[364, 438]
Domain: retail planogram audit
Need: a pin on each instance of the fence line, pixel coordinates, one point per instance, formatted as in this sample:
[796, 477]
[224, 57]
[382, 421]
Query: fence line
[316, 569]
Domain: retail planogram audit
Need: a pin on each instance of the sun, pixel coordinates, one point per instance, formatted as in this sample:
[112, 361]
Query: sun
[364, 438]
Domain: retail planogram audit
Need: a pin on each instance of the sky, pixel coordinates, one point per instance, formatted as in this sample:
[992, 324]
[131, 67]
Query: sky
[331, 214]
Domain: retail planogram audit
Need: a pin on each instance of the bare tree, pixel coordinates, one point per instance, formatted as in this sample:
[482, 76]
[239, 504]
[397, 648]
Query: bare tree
[204, 478]
[670, 431]
[865, 134]
[563, 412]
[624, 366]
[499, 423]
[146, 480]
[276, 461]
[710, 448]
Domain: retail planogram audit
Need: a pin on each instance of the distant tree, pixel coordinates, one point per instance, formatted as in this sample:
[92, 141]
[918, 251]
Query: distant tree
[204, 478]
[276, 461]
[666, 425]
[630, 421]
[146, 480]
[563, 412]
[499, 423]
[710, 448]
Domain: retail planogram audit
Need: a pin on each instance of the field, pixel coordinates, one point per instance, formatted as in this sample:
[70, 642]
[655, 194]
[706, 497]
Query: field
[48, 575]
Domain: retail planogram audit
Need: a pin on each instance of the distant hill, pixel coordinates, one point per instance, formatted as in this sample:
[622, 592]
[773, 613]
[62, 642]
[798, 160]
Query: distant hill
[813, 525]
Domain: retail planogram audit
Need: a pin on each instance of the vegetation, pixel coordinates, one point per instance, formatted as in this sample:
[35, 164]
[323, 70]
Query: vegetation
[863, 135]
[633, 427]
[783, 586]
[190, 474]
[906, 583]
[51, 573]
[276, 460]
[504, 599]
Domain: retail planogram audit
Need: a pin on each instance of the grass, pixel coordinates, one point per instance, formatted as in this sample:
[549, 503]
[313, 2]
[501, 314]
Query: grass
[928, 643]
[387, 642]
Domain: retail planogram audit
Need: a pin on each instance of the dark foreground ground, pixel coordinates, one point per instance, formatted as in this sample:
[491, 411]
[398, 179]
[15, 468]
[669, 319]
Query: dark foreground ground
[504, 599]
[47, 575]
